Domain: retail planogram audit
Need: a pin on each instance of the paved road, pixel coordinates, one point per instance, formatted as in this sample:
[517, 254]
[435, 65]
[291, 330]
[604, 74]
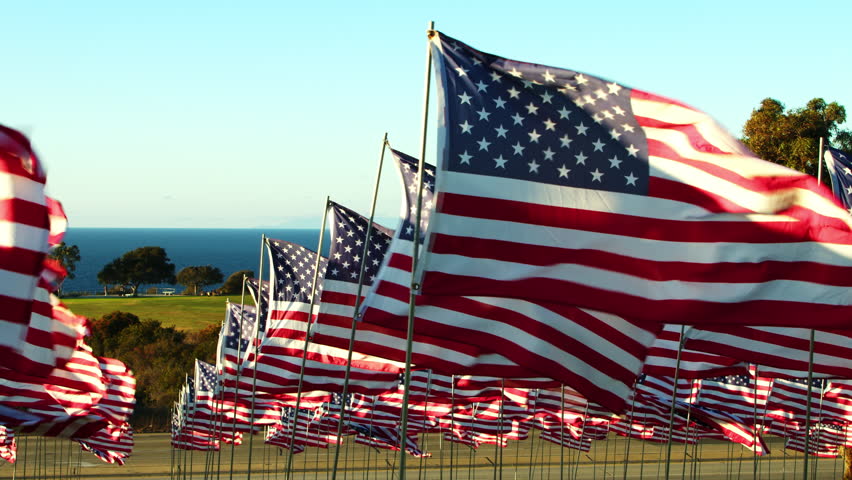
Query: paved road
[153, 459]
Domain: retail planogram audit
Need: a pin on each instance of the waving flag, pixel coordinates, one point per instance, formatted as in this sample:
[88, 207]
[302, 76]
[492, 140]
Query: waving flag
[839, 165]
[558, 186]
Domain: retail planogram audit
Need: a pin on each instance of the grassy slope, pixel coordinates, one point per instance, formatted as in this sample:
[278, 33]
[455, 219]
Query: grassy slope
[186, 313]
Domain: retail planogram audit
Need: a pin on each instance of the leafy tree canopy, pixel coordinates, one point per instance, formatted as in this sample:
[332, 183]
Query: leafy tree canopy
[234, 284]
[199, 276]
[68, 256]
[790, 137]
[144, 265]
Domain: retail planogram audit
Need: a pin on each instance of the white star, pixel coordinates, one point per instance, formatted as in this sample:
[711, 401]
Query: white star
[598, 145]
[564, 113]
[546, 97]
[596, 175]
[462, 72]
[465, 158]
[632, 150]
[563, 172]
[519, 150]
[549, 124]
[500, 102]
[608, 114]
[548, 154]
[500, 162]
[501, 132]
[614, 162]
[534, 135]
[614, 88]
[631, 180]
[465, 127]
[483, 144]
[465, 98]
[513, 93]
[530, 83]
[495, 76]
[614, 133]
[533, 166]
[531, 109]
[516, 73]
[589, 99]
[627, 127]
[581, 80]
[581, 159]
[481, 86]
[519, 120]
[849, 190]
[581, 129]
[601, 94]
[847, 171]
[483, 115]
[548, 77]
[566, 141]
[618, 110]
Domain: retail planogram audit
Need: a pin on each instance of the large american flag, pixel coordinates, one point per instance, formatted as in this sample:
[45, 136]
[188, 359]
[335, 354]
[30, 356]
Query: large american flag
[839, 165]
[558, 186]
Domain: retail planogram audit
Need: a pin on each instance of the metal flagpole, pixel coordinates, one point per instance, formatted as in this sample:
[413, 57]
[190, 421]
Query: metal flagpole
[808, 404]
[415, 286]
[754, 415]
[452, 420]
[819, 159]
[562, 434]
[674, 399]
[356, 314]
[257, 334]
[307, 338]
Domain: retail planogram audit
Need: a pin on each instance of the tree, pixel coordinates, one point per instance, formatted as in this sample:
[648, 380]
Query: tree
[138, 267]
[791, 137]
[67, 256]
[199, 276]
[234, 284]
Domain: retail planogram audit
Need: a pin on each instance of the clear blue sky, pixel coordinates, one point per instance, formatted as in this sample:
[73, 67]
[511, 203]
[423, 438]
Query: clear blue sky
[247, 114]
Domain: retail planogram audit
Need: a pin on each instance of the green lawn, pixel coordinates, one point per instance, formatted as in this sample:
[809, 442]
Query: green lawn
[186, 313]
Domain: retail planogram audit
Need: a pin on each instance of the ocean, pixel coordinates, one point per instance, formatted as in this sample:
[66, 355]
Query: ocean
[230, 250]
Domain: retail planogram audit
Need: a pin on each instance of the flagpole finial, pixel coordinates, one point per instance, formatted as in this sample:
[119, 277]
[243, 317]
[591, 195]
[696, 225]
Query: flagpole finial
[430, 29]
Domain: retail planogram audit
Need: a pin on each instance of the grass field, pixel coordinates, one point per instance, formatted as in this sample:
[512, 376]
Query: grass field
[185, 313]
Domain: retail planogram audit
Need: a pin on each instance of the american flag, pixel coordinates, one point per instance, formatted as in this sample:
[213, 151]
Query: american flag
[388, 438]
[743, 395]
[788, 402]
[731, 426]
[278, 365]
[119, 400]
[291, 276]
[839, 165]
[334, 322]
[8, 444]
[235, 338]
[112, 444]
[780, 351]
[558, 186]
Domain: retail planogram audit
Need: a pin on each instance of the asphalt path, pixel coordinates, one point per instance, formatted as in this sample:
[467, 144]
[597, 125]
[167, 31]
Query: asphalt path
[154, 459]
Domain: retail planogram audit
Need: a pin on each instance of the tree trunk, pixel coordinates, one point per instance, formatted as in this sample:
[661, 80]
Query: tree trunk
[105, 290]
[133, 289]
[847, 462]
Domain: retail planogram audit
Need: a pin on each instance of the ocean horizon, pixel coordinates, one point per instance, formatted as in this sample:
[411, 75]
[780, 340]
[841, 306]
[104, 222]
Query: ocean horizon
[228, 249]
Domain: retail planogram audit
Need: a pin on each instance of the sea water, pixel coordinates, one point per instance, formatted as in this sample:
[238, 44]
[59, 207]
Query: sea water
[230, 250]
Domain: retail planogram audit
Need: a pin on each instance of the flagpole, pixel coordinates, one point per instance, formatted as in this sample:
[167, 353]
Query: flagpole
[257, 333]
[356, 314]
[808, 403]
[307, 338]
[629, 430]
[562, 434]
[819, 159]
[415, 286]
[674, 398]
